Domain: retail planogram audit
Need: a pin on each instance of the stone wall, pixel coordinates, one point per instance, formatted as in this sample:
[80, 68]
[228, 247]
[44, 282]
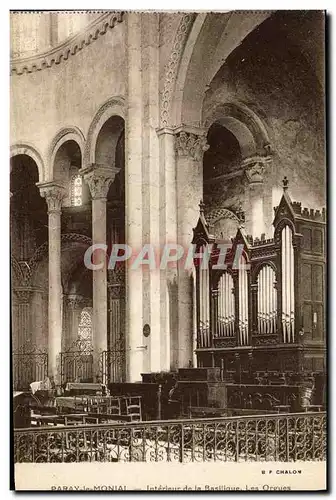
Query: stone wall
[271, 76]
[68, 94]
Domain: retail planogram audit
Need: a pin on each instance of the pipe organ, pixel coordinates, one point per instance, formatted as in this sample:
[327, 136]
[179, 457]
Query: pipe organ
[267, 312]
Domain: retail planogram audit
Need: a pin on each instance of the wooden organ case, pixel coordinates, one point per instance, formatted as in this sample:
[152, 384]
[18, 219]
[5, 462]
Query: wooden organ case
[261, 316]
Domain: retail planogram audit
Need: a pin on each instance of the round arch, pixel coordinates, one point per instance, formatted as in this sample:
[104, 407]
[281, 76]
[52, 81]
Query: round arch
[113, 107]
[64, 135]
[41, 253]
[256, 270]
[215, 33]
[217, 214]
[244, 124]
[28, 150]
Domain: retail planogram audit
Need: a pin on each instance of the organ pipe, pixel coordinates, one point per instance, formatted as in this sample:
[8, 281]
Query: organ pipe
[267, 308]
[226, 316]
[204, 305]
[243, 302]
[287, 272]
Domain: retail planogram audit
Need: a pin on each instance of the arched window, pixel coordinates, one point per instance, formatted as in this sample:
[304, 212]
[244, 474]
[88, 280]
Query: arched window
[76, 193]
[85, 325]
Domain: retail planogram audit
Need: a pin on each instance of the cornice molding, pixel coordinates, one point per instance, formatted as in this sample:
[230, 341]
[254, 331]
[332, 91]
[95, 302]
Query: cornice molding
[68, 48]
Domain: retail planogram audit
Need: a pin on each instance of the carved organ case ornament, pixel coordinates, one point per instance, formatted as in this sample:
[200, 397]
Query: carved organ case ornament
[261, 296]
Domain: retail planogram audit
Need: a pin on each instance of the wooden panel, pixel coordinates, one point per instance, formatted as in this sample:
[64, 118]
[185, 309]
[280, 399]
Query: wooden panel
[318, 364]
[317, 278]
[308, 364]
[307, 321]
[317, 241]
[318, 329]
[307, 239]
[306, 281]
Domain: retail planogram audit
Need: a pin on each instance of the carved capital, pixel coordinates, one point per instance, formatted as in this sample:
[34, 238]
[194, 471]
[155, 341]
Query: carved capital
[190, 143]
[53, 193]
[74, 301]
[23, 294]
[255, 169]
[116, 276]
[99, 178]
[115, 291]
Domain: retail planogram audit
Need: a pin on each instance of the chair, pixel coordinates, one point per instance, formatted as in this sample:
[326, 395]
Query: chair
[133, 407]
[81, 403]
[114, 406]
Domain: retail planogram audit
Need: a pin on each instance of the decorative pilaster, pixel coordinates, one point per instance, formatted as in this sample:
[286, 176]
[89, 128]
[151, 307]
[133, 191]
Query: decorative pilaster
[99, 178]
[53, 193]
[190, 145]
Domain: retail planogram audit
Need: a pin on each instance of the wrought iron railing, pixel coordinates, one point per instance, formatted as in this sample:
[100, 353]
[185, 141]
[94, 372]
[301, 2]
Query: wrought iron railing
[113, 365]
[76, 366]
[290, 437]
[77, 362]
[29, 364]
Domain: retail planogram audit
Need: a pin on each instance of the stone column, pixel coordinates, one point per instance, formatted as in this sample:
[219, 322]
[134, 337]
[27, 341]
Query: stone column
[151, 188]
[168, 234]
[99, 178]
[135, 342]
[53, 193]
[190, 145]
[254, 170]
